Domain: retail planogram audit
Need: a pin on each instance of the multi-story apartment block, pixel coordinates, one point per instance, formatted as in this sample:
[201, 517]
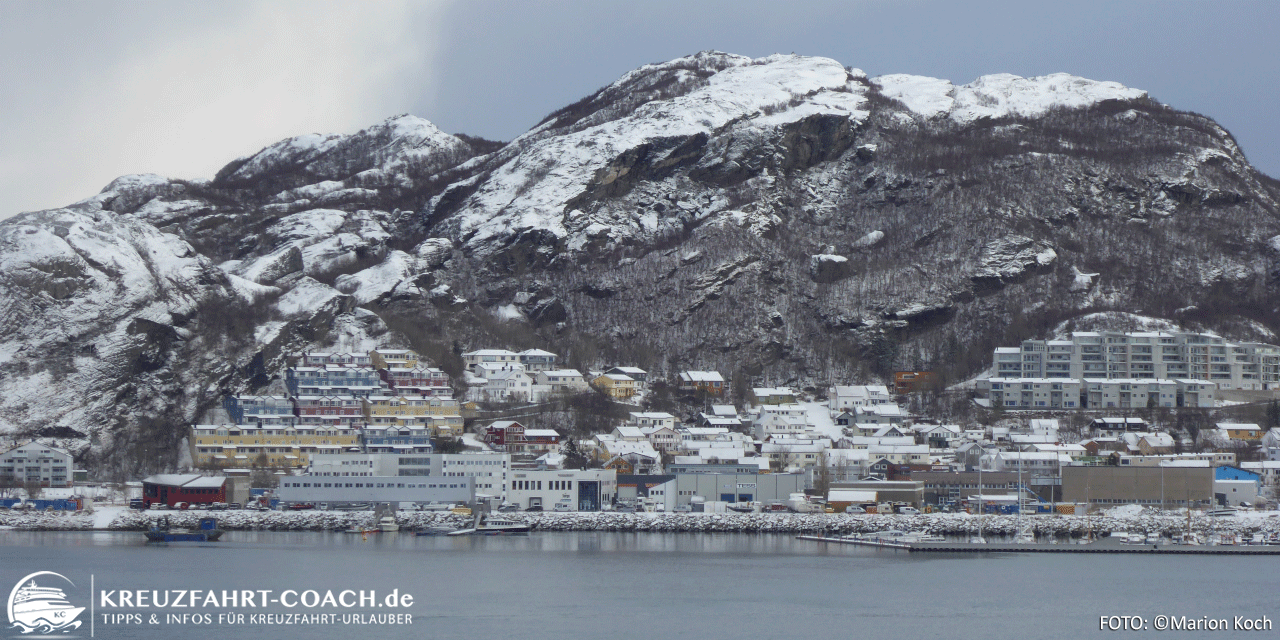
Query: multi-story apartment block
[346, 359]
[393, 358]
[417, 380]
[1057, 393]
[1143, 355]
[278, 446]
[330, 410]
[441, 415]
[264, 410]
[395, 439]
[334, 379]
[37, 464]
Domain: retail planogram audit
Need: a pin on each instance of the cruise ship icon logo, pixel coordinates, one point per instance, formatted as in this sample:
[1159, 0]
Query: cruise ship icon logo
[42, 608]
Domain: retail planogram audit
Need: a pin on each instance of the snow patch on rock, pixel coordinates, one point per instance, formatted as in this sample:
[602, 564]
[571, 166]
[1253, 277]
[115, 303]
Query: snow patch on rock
[999, 95]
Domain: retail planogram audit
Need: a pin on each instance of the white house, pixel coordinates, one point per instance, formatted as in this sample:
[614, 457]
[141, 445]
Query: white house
[562, 380]
[508, 385]
[489, 356]
[844, 398]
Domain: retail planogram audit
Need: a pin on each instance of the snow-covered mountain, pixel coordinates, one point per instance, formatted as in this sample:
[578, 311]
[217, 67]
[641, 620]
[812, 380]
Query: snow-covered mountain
[786, 218]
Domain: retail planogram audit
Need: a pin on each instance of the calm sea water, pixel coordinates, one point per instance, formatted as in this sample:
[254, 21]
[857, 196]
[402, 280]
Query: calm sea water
[619, 585]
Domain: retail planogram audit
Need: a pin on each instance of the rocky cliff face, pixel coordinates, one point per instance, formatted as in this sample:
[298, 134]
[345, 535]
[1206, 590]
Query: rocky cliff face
[785, 217]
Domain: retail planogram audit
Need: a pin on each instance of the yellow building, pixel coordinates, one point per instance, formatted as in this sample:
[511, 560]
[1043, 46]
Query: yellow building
[616, 385]
[440, 414]
[1242, 431]
[387, 358]
[232, 445]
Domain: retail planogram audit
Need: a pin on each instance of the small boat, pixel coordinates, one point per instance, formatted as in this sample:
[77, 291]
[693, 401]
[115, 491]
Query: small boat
[487, 526]
[361, 530]
[388, 524]
[1222, 512]
[42, 609]
[162, 532]
[1025, 536]
[435, 531]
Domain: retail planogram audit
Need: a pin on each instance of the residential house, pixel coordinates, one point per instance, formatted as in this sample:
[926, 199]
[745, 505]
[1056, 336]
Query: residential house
[1243, 432]
[708, 382]
[1112, 427]
[473, 359]
[640, 376]
[616, 386]
[537, 360]
[509, 385]
[844, 398]
[879, 414]
[773, 395]
[562, 380]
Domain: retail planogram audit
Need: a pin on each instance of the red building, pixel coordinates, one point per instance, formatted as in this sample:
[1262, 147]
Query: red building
[172, 488]
[425, 381]
[513, 437]
[331, 409]
[905, 382]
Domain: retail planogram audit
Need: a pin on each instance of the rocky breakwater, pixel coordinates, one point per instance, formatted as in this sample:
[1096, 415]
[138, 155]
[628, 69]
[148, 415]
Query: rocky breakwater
[1044, 526]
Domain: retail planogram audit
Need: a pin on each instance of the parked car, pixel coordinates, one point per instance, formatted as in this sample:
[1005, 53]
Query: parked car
[909, 511]
[853, 508]
[509, 508]
[536, 507]
[684, 508]
[180, 506]
[138, 504]
[562, 507]
[234, 505]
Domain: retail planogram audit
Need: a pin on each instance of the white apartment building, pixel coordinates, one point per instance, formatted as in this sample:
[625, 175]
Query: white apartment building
[38, 464]
[1143, 355]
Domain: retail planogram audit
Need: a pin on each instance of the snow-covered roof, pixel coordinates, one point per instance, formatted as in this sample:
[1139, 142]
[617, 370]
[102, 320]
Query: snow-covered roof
[701, 376]
[541, 433]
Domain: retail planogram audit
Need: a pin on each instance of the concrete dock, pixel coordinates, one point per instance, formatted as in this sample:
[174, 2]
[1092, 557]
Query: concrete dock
[1104, 545]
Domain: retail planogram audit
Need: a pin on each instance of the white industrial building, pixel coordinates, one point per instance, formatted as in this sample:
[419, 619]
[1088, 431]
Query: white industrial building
[372, 489]
[576, 490]
[489, 470]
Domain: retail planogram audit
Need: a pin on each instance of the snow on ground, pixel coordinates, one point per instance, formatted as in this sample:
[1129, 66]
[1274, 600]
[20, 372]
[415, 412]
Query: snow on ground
[819, 415]
[531, 190]
[509, 312]
[306, 297]
[383, 278]
[103, 516]
[999, 95]
[472, 440]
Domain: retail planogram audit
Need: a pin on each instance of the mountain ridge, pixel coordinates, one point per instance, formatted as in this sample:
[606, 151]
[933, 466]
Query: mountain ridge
[786, 219]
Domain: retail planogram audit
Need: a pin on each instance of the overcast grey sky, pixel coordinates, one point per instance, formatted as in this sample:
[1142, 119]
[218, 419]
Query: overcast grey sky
[97, 90]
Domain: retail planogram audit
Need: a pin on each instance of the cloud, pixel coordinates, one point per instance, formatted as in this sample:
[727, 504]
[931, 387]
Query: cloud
[182, 89]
